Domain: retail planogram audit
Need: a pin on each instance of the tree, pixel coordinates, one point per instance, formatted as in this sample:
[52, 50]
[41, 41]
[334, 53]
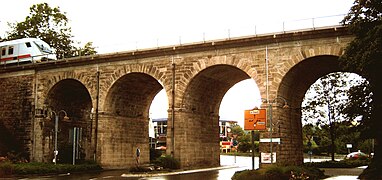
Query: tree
[244, 138]
[363, 55]
[50, 25]
[237, 130]
[87, 50]
[308, 132]
[325, 105]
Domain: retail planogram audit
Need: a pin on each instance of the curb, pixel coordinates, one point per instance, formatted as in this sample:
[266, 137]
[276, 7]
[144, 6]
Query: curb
[177, 173]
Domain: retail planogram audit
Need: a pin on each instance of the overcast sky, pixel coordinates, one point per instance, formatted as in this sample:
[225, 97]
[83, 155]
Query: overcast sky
[118, 25]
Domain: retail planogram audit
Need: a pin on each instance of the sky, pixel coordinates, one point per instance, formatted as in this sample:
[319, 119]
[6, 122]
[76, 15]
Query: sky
[122, 25]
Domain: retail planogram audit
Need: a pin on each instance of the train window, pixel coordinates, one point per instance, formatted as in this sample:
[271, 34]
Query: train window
[28, 44]
[3, 50]
[10, 50]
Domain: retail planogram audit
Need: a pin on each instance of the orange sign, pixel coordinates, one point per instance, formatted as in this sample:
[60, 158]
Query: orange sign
[255, 119]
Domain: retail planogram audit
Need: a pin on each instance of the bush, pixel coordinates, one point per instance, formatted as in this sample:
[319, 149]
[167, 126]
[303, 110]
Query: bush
[8, 168]
[155, 154]
[167, 162]
[16, 157]
[247, 146]
[139, 169]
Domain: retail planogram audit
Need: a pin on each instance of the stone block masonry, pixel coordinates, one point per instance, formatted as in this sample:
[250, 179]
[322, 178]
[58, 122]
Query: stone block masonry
[16, 112]
[109, 96]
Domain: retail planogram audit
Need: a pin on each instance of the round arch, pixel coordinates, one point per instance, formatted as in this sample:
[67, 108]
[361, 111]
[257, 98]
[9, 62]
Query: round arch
[292, 88]
[131, 95]
[69, 97]
[123, 123]
[197, 121]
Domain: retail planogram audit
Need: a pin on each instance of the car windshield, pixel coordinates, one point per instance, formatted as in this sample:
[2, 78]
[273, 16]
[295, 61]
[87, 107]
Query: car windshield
[44, 47]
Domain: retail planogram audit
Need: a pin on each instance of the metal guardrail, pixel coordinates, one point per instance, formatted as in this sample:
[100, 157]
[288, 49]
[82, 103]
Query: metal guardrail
[230, 33]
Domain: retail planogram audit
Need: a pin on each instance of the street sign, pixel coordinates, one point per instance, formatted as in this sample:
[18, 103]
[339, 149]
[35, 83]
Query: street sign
[266, 158]
[255, 119]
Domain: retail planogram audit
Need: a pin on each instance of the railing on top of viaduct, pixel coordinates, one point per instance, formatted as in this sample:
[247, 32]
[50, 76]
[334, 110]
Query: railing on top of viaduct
[280, 34]
[226, 34]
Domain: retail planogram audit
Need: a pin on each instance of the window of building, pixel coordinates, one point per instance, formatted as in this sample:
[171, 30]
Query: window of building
[162, 128]
[10, 50]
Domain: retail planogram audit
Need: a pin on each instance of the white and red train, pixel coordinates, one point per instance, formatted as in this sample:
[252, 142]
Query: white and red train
[25, 50]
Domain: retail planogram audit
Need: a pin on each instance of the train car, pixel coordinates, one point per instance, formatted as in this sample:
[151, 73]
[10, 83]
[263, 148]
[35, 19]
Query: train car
[25, 50]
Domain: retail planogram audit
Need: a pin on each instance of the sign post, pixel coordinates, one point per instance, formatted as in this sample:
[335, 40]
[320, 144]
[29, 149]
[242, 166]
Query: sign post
[349, 146]
[253, 149]
[255, 119]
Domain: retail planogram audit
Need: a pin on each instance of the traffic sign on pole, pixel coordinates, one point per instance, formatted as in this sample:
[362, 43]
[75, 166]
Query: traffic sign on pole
[255, 119]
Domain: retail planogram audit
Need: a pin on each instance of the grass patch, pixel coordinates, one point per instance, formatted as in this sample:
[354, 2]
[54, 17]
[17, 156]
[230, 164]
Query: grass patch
[280, 173]
[8, 169]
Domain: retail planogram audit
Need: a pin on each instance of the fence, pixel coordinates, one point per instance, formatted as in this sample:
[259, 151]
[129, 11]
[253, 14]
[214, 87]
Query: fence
[221, 34]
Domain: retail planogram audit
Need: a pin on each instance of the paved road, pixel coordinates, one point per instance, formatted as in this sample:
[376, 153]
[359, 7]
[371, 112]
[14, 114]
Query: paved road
[230, 164]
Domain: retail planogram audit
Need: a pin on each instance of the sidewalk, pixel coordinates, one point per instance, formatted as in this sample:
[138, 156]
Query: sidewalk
[342, 178]
[343, 173]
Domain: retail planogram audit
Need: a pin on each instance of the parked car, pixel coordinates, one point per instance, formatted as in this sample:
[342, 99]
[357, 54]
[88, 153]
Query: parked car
[357, 155]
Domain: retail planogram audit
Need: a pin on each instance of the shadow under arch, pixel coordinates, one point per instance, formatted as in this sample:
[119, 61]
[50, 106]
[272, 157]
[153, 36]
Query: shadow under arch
[69, 97]
[123, 123]
[194, 139]
[293, 87]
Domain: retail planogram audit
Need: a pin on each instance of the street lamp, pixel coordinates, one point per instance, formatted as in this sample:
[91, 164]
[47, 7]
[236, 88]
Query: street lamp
[56, 115]
[270, 102]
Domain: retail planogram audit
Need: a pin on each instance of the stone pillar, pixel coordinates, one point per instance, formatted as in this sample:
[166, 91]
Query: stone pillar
[37, 147]
[287, 128]
[196, 139]
[118, 138]
[42, 139]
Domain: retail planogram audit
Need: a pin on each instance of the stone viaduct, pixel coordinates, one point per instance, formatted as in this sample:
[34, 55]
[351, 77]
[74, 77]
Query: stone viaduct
[108, 96]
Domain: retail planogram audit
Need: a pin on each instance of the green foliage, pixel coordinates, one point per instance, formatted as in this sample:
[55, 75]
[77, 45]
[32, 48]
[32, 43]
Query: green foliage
[325, 107]
[244, 138]
[363, 56]
[167, 162]
[139, 169]
[237, 130]
[155, 154]
[247, 146]
[87, 50]
[14, 157]
[280, 173]
[329, 94]
[8, 168]
[327, 104]
[50, 25]
[346, 133]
